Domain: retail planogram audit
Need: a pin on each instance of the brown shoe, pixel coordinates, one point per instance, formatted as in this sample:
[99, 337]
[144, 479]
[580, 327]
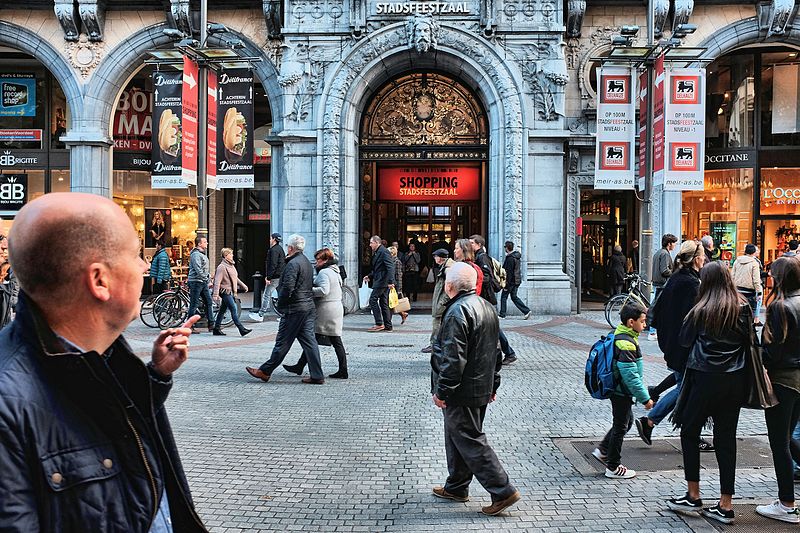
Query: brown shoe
[373, 329]
[257, 373]
[404, 316]
[312, 381]
[498, 507]
[439, 492]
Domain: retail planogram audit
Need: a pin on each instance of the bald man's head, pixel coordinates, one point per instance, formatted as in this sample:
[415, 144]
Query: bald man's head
[461, 277]
[57, 236]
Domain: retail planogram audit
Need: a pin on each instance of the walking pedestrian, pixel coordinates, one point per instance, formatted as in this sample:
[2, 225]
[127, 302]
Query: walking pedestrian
[160, 272]
[199, 281]
[276, 261]
[398, 282]
[781, 338]
[747, 276]
[792, 251]
[513, 267]
[85, 442]
[716, 333]
[634, 256]
[662, 270]
[411, 263]
[708, 247]
[382, 275]
[226, 286]
[465, 376]
[296, 302]
[330, 312]
[616, 271]
[442, 259]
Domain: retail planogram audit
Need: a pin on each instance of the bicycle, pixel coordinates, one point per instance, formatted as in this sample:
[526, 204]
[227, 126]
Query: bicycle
[614, 305]
[170, 309]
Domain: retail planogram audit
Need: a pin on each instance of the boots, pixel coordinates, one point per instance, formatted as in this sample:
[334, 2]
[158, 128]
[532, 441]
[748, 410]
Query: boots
[216, 331]
[244, 331]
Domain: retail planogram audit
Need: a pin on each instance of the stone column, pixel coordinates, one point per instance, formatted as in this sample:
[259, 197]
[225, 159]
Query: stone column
[546, 285]
[296, 200]
[90, 161]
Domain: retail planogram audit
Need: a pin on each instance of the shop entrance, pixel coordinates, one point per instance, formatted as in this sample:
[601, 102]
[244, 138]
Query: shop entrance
[431, 225]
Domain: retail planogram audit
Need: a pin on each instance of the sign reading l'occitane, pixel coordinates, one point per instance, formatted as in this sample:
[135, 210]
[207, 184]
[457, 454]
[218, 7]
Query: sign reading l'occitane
[414, 183]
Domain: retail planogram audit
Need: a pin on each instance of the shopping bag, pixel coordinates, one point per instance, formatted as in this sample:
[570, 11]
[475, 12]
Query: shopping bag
[364, 292]
[392, 298]
[758, 387]
[402, 306]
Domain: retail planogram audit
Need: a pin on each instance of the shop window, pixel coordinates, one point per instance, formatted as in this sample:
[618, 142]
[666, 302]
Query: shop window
[22, 110]
[780, 99]
[780, 191]
[731, 102]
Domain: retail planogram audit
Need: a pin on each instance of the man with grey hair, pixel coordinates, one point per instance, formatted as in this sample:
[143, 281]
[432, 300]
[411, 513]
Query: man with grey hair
[382, 278]
[465, 376]
[296, 301]
[708, 247]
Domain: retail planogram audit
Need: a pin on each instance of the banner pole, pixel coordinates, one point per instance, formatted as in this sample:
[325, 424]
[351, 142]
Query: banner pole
[202, 125]
[646, 237]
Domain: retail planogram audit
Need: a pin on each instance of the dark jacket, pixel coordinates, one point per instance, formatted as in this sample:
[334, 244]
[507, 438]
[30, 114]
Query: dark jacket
[677, 298]
[717, 354]
[780, 351]
[382, 268]
[709, 254]
[513, 267]
[398, 274]
[489, 284]
[85, 443]
[616, 268]
[296, 287]
[466, 358]
[276, 262]
[662, 267]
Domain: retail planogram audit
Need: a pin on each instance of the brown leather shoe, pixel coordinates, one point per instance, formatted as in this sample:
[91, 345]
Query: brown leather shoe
[498, 507]
[257, 373]
[373, 329]
[439, 492]
[312, 381]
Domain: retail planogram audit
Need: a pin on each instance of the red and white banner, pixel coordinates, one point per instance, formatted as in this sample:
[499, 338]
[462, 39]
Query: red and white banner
[616, 128]
[658, 123]
[684, 132]
[211, 135]
[189, 110]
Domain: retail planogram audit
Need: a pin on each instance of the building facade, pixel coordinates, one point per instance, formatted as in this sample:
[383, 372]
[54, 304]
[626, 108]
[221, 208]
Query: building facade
[417, 121]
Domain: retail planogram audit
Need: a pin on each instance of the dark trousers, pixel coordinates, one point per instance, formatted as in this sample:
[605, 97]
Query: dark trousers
[298, 325]
[338, 347]
[410, 284]
[197, 290]
[718, 396]
[781, 421]
[228, 302]
[159, 286]
[504, 346]
[469, 454]
[622, 420]
[379, 303]
[512, 291]
[666, 384]
[616, 288]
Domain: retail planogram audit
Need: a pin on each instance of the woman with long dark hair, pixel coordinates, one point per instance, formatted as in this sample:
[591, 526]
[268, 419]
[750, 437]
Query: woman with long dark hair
[781, 339]
[716, 333]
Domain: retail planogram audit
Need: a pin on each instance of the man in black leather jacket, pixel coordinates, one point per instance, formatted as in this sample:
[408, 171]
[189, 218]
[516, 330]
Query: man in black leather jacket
[382, 277]
[296, 302]
[465, 376]
[85, 443]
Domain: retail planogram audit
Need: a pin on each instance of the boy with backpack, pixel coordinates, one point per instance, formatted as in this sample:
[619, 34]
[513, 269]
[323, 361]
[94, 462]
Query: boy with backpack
[628, 385]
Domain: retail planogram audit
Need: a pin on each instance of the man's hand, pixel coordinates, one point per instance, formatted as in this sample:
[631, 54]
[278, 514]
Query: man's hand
[217, 299]
[649, 404]
[246, 289]
[171, 348]
[493, 398]
[366, 279]
[391, 285]
[267, 282]
[439, 403]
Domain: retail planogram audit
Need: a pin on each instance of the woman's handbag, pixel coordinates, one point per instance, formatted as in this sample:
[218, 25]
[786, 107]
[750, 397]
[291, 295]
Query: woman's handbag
[392, 298]
[758, 387]
[402, 306]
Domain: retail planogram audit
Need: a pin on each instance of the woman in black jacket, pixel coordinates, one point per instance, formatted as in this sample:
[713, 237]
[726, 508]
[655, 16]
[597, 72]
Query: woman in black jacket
[781, 340]
[616, 270]
[716, 332]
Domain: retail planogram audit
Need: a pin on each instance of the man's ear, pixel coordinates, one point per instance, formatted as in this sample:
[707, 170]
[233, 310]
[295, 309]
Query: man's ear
[98, 278]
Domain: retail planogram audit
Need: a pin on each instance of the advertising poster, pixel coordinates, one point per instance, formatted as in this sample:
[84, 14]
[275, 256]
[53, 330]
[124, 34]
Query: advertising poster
[616, 129]
[211, 135]
[235, 129]
[158, 227]
[658, 123]
[13, 193]
[167, 130]
[724, 235]
[684, 129]
[189, 116]
[17, 95]
[133, 121]
[429, 183]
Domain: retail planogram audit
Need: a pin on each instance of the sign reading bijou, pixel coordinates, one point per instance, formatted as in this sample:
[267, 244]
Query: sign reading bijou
[429, 182]
[234, 123]
[13, 192]
[616, 129]
[167, 131]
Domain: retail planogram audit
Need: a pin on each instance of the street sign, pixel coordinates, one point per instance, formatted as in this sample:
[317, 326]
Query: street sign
[189, 107]
[684, 134]
[211, 136]
[616, 128]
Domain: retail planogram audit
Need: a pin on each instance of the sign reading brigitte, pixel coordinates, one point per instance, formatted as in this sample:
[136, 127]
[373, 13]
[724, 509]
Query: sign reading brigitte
[434, 182]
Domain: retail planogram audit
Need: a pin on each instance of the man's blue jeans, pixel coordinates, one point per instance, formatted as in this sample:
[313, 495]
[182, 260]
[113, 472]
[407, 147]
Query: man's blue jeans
[666, 403]
[197, 290]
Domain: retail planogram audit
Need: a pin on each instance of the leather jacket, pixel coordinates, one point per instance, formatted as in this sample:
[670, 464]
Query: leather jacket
[782, 352]
[295, 290]
[383, 269]
[466, 358]
[85, 444]
[718, 354]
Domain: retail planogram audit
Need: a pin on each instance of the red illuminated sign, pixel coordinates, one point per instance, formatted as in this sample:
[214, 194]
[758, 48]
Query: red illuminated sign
[414, 183]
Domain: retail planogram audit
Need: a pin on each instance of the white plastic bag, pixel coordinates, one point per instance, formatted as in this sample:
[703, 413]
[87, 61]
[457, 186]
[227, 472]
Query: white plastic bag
[364, 292]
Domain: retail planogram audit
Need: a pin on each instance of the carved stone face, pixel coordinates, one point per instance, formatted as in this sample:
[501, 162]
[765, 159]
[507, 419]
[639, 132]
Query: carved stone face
[423, 35]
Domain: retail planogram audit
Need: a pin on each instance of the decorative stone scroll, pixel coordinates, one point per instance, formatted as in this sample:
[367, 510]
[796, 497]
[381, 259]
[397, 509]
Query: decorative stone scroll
[683, 10]
[273, 17]
[545, 73]
[84, 55]
[181, 16]
[576, 9]
[93, 15]
[69, 19]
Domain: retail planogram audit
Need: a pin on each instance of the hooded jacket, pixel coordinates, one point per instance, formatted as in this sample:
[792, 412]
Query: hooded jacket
[628, 368]
[513, 267]
[440, 297]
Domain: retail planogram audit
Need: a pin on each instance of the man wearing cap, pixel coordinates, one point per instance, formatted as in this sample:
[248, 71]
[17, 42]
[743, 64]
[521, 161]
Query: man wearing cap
[440, 298]
[276, 260]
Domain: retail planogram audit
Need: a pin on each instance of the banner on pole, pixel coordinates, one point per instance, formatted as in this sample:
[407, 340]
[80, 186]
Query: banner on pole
[167, 131]
[658, 123]
[211, 135]
[616, 129]
[190, 117]
[235, 131]
[684, 133]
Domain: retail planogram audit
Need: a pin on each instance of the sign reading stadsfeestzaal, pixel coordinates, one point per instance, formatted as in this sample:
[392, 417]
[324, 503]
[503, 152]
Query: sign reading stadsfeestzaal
[616, 128]
[684, 130]
[234, 123]
[422, 8]
[167, 131]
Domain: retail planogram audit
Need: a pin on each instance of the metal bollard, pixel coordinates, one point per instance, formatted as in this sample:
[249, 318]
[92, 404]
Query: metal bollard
[258, 287]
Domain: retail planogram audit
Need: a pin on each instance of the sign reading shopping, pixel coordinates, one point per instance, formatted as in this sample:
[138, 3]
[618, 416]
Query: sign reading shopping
[234, 125]
[684, 129]
[167, 130]
[429, 183]
[17, 95]
[616, 129]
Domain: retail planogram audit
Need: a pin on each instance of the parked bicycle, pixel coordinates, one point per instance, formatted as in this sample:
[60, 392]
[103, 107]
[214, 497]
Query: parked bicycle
[170, 309]
[633, 284]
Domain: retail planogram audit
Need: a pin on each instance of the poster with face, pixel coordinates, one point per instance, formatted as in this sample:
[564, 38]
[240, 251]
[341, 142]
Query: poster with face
[157, 226]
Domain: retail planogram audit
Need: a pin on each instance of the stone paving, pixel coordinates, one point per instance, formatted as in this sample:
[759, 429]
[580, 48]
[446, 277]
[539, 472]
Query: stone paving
[363, 454]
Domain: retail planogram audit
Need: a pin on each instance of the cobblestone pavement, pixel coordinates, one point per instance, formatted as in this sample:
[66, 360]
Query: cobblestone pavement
[363, 454]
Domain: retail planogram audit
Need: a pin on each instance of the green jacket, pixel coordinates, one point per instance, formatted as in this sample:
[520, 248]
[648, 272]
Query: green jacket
[628, 367]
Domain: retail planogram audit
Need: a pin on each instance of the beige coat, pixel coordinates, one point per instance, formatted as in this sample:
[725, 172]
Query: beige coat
[747, 273]
[328, 299]
[227, 278]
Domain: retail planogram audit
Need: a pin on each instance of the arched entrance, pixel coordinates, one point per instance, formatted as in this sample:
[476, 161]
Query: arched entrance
[423, 163]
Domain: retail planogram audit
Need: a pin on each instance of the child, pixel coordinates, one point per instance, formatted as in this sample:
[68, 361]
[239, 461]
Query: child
[628, 377]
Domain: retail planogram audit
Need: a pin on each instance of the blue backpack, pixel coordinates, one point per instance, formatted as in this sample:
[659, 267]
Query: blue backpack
[599, 376]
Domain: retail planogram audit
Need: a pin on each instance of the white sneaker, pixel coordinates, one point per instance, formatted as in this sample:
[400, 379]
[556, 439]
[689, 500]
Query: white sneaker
[652, 336]
[255, 317]
[620, 473]
[777, 511]
[597, 454]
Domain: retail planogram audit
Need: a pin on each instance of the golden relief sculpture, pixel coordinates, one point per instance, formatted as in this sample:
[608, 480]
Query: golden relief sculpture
[424, 109]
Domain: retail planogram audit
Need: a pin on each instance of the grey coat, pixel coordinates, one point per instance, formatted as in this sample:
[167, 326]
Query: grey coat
[328, 299]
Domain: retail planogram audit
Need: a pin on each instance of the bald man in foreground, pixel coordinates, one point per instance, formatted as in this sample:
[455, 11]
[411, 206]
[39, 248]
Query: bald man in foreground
[465, 375]
[85, 444]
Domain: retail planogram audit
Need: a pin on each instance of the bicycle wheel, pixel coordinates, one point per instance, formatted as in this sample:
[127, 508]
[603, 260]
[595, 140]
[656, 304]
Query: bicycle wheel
[349, 300]
[613, 307]
[146, 312]
[169, 310]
